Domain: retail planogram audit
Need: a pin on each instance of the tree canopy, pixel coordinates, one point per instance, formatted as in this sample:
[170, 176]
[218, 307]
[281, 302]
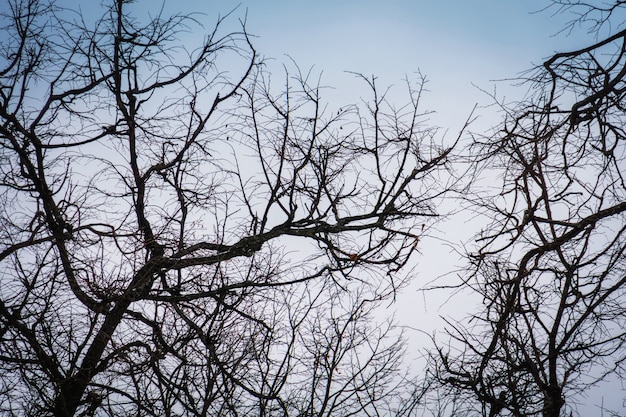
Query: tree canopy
[182, 234]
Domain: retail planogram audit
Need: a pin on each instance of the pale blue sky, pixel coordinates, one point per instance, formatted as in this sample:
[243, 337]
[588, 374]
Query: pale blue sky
[455, 43]
[460, 46]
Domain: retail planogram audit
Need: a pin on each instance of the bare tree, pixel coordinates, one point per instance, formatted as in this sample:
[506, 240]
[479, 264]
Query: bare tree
[551, 266]
[178, 239]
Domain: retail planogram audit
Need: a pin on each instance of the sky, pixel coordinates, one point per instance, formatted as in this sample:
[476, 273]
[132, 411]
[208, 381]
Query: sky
[461, 46]
[464, 48]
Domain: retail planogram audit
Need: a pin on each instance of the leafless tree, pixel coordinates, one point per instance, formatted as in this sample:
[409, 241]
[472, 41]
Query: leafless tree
[551, 266]
[182, 237]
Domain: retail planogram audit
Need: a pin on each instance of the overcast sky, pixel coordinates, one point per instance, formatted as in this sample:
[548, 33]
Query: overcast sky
[458, 44]
[461, 46]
